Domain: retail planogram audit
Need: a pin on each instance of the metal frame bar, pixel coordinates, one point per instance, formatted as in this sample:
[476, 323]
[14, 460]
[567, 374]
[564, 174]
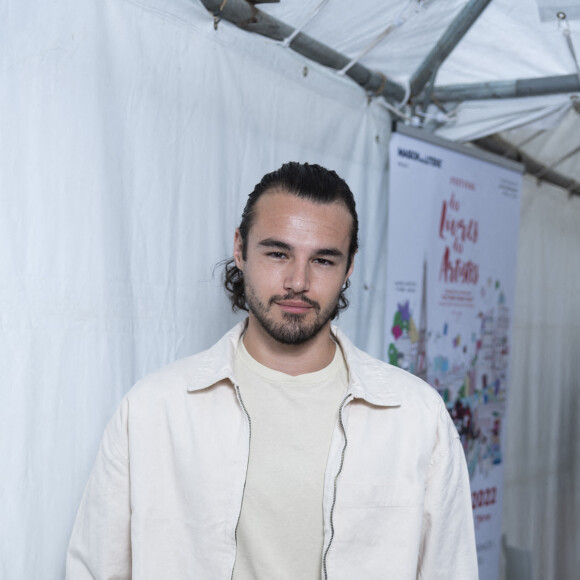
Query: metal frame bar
[555, 164]
[499, 146]
[496, 150]
[250, 18]
[451, 37]
[508, 89]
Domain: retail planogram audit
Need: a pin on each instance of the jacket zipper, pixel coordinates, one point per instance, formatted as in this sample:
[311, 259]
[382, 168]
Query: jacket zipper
[246, 476]
[341, 423]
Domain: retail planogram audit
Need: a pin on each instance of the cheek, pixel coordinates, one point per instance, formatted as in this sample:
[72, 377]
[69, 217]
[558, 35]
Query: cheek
[265, 278]
[328, 286]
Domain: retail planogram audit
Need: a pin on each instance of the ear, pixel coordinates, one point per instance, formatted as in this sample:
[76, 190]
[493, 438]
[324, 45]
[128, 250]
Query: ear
[238, 249]
[350, 268]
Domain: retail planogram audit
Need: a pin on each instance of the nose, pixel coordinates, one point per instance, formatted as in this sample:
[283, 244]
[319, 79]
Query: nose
[297, 277]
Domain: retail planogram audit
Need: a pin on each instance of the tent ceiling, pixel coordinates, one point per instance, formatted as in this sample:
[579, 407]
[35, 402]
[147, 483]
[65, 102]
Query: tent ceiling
[509, 41]
[547, 144]
[558, 147]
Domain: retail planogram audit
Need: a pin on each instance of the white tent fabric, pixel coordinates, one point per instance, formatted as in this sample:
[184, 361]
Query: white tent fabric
[508, 41]
[542, 463]
[131, 133]
[475, 119]
[551, 142]
[131, 136]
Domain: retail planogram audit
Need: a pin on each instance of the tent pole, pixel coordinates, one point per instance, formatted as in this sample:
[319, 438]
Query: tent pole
[250, 18]
[451, 37]
[499, 146]
[508, 89]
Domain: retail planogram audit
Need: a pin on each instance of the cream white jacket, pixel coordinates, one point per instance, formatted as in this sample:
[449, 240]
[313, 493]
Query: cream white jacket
[165, 493]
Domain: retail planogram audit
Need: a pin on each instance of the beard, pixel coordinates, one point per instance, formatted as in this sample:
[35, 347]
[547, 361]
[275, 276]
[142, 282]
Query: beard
[293, 329]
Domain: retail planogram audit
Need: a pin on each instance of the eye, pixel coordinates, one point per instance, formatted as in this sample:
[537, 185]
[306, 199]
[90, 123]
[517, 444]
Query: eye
[323, 262]
[277, 255]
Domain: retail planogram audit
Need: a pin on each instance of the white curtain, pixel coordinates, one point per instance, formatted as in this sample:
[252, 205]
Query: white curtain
[542, 460]
[131, 133]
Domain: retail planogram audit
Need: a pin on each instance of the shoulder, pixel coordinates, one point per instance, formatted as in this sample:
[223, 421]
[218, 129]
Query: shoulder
[382, 383]
[420, 408]
[192, 373]
[173, 376]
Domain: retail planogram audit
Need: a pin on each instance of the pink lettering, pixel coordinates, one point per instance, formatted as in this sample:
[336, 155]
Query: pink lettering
[460, 229]
[458, 271]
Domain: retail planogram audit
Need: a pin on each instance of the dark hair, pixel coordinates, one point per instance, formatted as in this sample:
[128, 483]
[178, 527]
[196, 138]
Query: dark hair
[307, 181]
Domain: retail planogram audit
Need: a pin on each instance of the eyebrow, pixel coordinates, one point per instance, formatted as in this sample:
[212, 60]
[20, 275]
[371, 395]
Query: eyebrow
[280, 245]
[272, 243]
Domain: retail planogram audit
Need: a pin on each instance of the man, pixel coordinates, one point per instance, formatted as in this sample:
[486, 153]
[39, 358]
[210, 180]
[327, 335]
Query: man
[283, 452]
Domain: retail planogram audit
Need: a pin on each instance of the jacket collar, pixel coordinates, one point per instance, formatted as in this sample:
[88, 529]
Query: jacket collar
[369, 378]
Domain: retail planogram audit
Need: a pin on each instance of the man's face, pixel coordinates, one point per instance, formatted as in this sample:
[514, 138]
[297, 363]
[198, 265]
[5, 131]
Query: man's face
[295, 266]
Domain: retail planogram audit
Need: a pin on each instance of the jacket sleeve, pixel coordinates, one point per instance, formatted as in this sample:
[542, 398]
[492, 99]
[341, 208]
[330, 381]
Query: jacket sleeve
[100, 546]
[447, 550]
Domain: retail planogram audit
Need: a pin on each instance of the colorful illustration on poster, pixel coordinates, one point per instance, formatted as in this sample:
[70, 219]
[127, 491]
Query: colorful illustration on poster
[468, 369]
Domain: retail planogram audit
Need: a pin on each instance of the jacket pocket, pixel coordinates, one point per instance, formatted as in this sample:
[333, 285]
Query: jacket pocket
[377, 531]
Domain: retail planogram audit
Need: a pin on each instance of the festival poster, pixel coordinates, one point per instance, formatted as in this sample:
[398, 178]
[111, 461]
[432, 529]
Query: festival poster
[452, 244]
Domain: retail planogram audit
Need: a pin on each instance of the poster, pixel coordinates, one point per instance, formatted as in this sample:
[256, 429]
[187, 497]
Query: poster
[452, 243]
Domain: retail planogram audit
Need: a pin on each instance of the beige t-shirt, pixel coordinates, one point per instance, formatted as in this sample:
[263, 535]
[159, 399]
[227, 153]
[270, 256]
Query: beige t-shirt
[280, 531]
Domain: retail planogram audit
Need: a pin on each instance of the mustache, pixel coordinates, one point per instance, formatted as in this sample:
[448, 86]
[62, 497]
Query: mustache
[294, 296]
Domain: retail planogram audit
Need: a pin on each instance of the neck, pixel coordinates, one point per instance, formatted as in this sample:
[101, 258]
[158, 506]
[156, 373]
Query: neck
[292, 359]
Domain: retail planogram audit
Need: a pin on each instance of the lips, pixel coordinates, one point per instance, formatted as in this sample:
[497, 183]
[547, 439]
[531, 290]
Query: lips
[293, 306]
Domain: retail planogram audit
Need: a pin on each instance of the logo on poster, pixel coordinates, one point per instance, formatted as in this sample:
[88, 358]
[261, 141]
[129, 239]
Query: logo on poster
[416, 156]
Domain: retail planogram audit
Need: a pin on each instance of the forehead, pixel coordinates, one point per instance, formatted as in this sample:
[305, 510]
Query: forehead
[280, 214]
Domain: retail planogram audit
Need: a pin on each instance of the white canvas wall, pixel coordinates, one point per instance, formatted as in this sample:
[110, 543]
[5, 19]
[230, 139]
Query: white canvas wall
[131, 133]
[542, 461]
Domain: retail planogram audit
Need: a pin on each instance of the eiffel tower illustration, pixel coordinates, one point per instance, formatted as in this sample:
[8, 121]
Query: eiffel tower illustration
[421, 356]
